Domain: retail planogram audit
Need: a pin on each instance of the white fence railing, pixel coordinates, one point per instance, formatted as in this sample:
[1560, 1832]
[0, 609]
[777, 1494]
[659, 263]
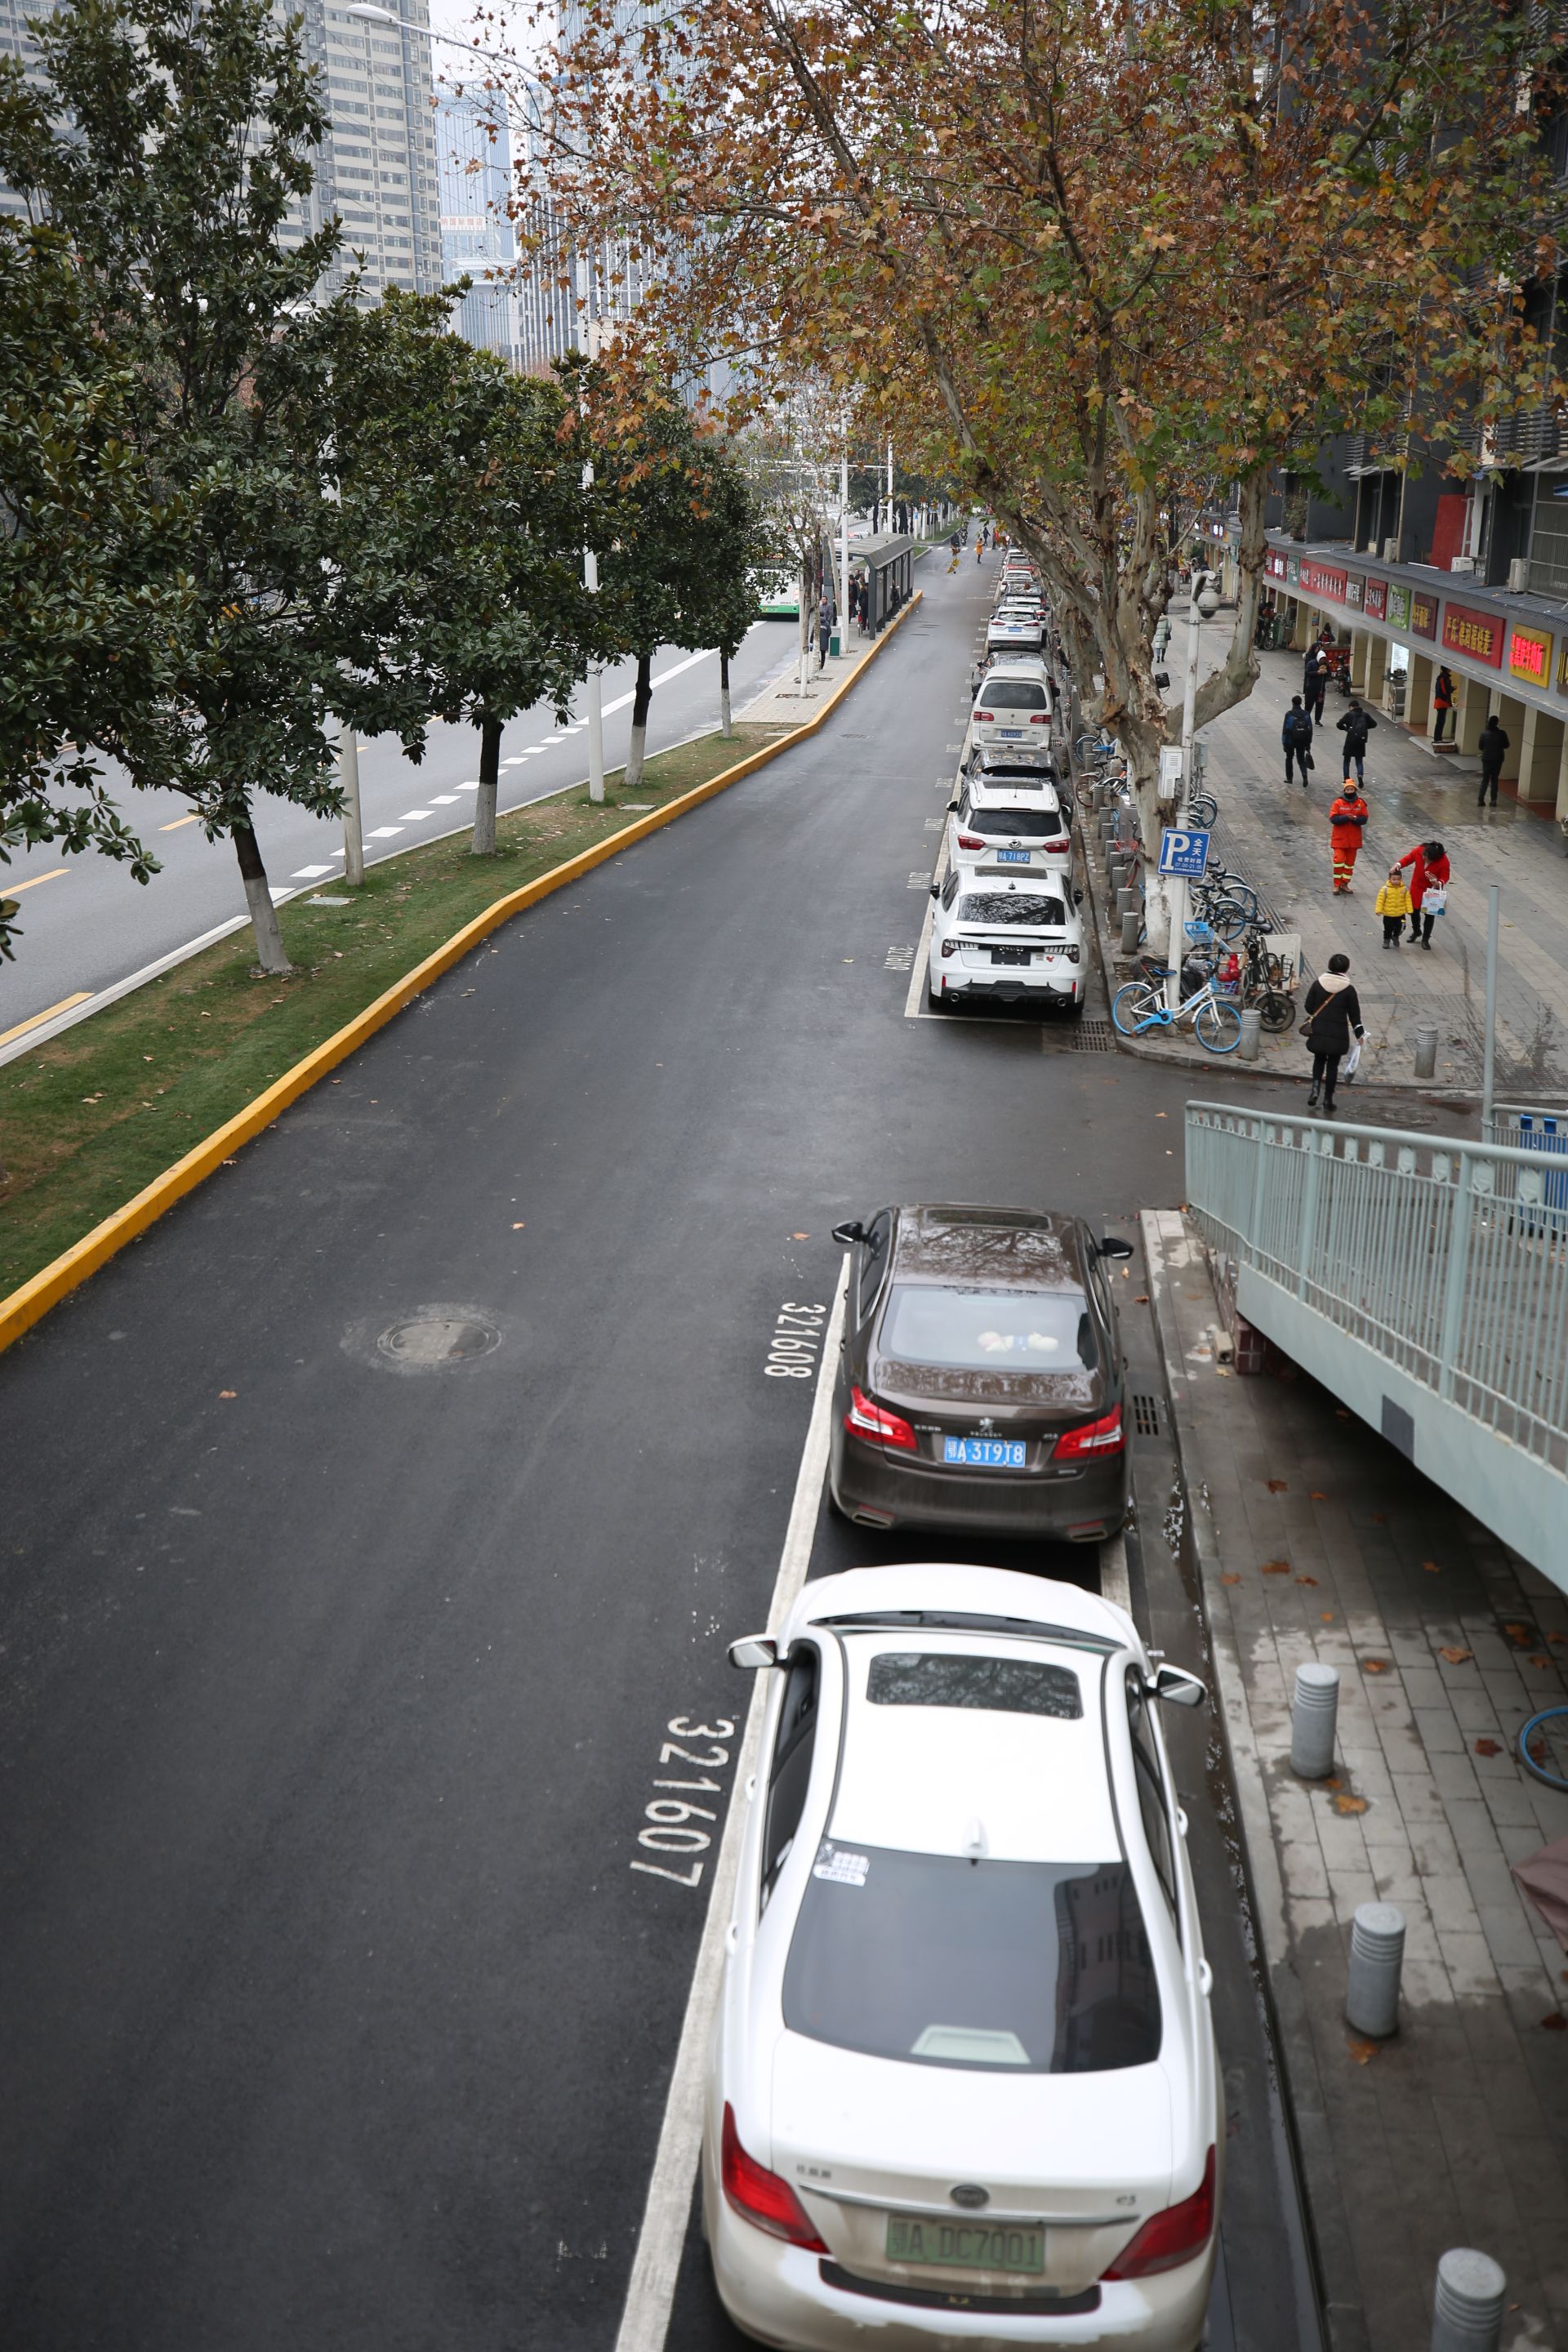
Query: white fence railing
[1448, 1259]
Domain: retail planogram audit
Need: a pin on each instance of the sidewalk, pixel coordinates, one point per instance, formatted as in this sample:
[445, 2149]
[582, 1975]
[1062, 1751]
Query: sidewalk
[1279, 837]
[1315, 1539]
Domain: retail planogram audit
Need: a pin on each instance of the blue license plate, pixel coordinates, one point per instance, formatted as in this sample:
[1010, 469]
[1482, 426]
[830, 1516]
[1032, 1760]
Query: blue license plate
[1014, 732]
[984, 1453]
[1011, 857]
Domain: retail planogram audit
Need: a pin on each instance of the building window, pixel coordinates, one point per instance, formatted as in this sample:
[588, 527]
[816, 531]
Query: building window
[1549, 538]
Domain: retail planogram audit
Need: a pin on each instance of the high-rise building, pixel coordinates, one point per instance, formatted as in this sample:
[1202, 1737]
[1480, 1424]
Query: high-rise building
[473, 156]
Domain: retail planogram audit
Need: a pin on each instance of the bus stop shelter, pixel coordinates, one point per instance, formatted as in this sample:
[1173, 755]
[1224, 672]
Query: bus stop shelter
[887, 564]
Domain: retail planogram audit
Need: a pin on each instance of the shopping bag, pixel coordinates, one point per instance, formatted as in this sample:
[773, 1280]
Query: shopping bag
[1351, 1062]
[1435, 899]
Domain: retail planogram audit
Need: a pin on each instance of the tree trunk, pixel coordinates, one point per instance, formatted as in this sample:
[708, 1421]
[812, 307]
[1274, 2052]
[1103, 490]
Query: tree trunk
[641, 700]
[489, 782]
[269, 953]
[725, 729]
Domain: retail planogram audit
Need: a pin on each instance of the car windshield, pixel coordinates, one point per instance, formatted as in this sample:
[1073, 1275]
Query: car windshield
[1030, 823]
[1011, 907]
[981, 1330]
[1006, 771]
[941, 1961]
[1014, 694]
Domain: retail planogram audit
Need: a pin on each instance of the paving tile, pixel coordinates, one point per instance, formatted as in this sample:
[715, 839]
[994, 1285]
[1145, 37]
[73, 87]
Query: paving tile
[1439, 1732]
[1467, 1959]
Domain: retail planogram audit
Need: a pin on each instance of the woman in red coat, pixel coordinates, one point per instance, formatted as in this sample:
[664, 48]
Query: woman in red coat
[1429, 864]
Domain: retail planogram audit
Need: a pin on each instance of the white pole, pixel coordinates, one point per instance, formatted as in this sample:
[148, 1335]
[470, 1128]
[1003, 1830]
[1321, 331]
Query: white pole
[1489, 1069]
[591, 581]
[843, 544]
[354, 830]
[1178, 888]
[889, 486]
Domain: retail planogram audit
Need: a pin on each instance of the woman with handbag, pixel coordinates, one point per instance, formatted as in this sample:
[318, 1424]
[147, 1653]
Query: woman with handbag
[1429, 864]
[1333, 1012]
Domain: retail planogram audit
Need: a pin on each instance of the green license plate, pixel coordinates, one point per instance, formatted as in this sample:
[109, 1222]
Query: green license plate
[967, 2245]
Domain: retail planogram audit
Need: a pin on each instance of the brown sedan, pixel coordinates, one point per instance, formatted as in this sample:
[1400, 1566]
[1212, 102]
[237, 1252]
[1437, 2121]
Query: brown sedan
[980, 1383]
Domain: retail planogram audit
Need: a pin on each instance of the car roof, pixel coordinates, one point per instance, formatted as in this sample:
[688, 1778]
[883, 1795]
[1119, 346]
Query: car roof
[984, 793]
[1025, 1248]
[1034, 669]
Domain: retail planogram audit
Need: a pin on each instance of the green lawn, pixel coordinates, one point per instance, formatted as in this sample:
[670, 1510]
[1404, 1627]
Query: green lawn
[88, 1120]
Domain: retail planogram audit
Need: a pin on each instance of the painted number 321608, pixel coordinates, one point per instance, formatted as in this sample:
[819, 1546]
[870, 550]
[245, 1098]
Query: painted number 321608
[797, 1336]
[690, 1756]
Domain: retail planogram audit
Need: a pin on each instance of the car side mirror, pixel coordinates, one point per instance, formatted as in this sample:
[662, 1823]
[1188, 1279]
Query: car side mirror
[1077, 898]
[936, 889]
[1173, 1683]
[754, 1650]
[849, 1231]
[953, 808]
[1111, 1246]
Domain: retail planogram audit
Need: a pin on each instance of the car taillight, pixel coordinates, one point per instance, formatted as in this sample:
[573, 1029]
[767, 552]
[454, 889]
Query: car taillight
[1071, 954]
[1173, 2237]
[1091, 1437]
[988, 716]
[865, 1419]
[949, 947]
[1041, 719]
[761, 2196]
[970, 841]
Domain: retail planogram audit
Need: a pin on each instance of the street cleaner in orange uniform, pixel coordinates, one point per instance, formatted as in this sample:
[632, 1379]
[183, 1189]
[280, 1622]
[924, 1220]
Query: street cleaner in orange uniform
[1347, 819]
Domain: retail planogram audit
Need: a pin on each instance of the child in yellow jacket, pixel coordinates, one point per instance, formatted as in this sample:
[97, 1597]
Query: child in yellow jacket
[1393, 905]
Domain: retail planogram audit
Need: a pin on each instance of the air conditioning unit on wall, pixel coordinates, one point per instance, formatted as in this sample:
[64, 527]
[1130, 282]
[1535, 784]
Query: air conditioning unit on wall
[1462, 563]
[1390, 550]
[1518, 574]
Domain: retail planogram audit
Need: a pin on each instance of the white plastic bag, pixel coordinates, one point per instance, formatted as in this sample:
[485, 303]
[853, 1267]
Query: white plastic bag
[1351, 1062]
[1435, 899]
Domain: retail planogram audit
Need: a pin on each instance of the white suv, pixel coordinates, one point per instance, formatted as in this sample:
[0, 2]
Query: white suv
[997, 936]
[1012, 705]
[1003, 825]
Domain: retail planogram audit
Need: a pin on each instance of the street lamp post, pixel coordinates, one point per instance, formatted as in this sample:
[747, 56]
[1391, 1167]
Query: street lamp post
[368, 14]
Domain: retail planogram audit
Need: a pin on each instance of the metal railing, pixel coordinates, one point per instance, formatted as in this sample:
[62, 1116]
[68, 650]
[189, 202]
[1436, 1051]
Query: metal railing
[1448, 1258]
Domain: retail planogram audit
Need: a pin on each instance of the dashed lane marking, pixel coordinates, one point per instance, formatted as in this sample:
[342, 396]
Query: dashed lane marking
[415, 816]
[9, 889]
[312, 873]
[650, 2297]
[193, 819]
[385, 832]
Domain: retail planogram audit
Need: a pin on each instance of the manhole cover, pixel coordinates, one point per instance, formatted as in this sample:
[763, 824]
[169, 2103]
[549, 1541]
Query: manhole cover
[438, 1339]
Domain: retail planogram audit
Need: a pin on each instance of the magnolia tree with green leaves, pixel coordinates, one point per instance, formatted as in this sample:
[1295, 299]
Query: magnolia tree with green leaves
[1089, 258]
[166, 142]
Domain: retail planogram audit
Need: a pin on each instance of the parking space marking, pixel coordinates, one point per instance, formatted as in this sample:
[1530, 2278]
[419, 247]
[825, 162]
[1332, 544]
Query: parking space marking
[918, 882]
[650, 2296]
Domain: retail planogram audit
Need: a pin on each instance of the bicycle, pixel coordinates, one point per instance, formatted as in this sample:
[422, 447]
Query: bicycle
[1202, 809]
[1138, 1006]
[1540, 1763]
[1227, 917]
[1256, 985]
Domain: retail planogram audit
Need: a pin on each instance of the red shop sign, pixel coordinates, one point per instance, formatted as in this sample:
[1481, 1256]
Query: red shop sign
[1322, 580]
[1377, 599]
[1274, 565]
[1477, 636]
[1423, 615]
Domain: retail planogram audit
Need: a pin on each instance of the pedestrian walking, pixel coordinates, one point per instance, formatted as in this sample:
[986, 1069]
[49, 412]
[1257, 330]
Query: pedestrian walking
[1315, 683]
[1429, 870]
[979, 547]
[1333, 1012]
[1355, 727]
[1297, 737]
[1347, 822]
[1493, 743]
[955, 543]
[826, 621]
[1443, 702]
[1393, 905]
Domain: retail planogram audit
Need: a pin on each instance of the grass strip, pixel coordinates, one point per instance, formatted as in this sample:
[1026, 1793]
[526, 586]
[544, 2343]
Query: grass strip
[91, 1118]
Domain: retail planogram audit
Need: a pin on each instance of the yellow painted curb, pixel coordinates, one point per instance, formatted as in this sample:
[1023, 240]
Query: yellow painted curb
[56, 1281]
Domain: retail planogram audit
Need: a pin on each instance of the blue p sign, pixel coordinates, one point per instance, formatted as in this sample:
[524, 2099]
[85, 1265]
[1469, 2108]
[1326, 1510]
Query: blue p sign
[1184, 853]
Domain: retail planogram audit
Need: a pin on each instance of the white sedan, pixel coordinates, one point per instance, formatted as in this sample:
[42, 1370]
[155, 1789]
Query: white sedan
[1017, 941]
[963, 2089]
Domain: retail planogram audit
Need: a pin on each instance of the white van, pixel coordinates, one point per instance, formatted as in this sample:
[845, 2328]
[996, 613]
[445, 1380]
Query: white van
[1012, 705]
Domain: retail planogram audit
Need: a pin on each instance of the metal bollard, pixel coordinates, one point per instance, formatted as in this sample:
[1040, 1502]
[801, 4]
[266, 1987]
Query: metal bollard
[1251, 1034]
[1314, 1715]
[1377, 1950]
[1131, 924]
[1471, 2293]
[1426, 1051]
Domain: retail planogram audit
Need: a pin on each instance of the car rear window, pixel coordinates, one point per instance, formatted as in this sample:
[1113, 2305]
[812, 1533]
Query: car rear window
[1011, 907]
[979, 1331]
[1030, 823]
[1013, 694]
[958, 1678]
[943, 1961]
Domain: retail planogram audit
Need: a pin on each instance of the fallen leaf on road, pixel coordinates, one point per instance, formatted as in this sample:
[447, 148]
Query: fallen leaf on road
[1317, 1495]
[1539, 1662]
[1143, 1300]
[519, 1223]
[1159, 1114]
[1278, 1487]
[1275, 1568]
[1327, 1616]
[800, 1237]
[1432, 1568]
[1350, 1804]
[1230, 1578]
[1521, 1636]
[228, 1392]
[1455, 1657]
[1306, 1580]
[1374, 1665]
[1488, 1748]
[1362, 2051]
[1341, 1412]
[1557, 1637]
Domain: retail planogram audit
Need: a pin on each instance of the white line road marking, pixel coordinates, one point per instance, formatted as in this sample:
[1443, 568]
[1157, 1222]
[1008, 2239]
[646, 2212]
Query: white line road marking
[415, 816]
[935, 824]
[645, 2322]
[1113, 1579]
[918, 882]
[312, 873]
[516, 760]
[468, 788]
[384, 832]
[277, 892]
[442, 800]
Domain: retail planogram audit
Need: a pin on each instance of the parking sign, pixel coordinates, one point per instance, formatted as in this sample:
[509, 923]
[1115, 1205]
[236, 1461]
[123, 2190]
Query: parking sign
[1184, 853]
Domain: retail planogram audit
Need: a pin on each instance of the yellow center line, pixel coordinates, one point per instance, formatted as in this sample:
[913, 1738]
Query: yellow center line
[9, 889]
[39, 1018]
[179, 821]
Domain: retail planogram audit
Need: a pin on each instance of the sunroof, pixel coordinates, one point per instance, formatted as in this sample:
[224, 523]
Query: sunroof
[995, 1686]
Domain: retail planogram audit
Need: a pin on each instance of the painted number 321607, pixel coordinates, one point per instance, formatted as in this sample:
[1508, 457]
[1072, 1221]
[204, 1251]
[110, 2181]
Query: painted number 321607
[797, 1336]
[692, 1755]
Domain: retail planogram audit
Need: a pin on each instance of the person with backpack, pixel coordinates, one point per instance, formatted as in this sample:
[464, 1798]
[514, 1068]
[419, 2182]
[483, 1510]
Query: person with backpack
[1347, 822]
[1492, 744]
[1297, 738]
[1332, 1011]
[1355, 727]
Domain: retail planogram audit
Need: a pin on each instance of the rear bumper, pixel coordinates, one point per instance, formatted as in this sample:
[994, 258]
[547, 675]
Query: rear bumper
[1012, 987]
[1083, 1506]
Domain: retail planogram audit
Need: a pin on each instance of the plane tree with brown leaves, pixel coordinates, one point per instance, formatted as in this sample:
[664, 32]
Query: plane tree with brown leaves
[1095, 261]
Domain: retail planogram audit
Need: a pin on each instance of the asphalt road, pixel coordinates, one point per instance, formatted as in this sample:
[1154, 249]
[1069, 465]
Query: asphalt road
[86, 924]
[333, 2012]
